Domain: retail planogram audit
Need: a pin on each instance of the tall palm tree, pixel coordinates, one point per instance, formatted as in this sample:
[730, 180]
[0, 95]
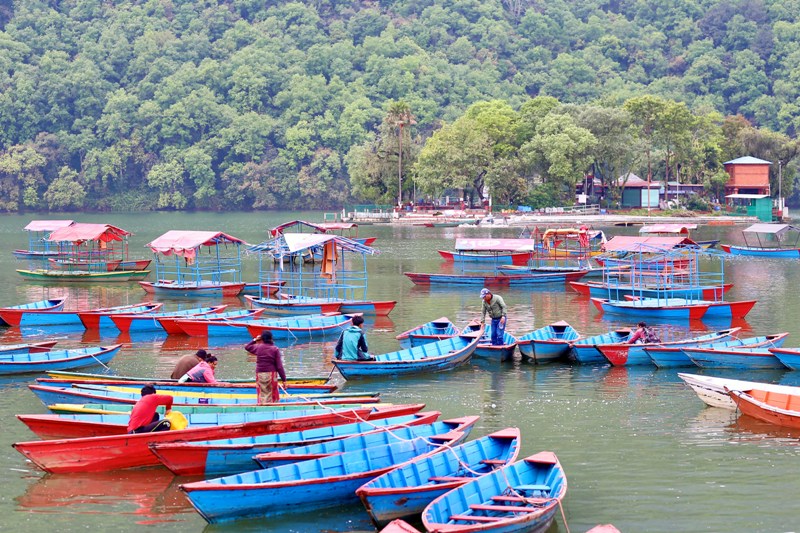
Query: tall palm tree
[400, 116]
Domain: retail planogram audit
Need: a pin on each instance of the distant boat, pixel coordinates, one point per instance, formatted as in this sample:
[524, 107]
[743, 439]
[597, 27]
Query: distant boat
[73, 276]
[7, 350]
[585, 351]
[762, 234]
[56, 304]
[22, 317]
[27, 362]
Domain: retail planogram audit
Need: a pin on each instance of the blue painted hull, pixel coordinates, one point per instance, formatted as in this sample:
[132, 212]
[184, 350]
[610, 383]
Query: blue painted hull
[790, 253]
[585, 353]
[619, 293]
[750, 359]
[57, 360]
[547, 344]
[669, 358]
[789, 359]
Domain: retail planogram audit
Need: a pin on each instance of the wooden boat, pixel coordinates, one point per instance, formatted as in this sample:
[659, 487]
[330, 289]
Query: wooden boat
[491, 251]
[665, 357]
[407, 490]
[205, 289]
[325, 482]
[510, 258]
[777, 408]
[55, 374]
[231, 456]
[624, 354]
[300, 328]
[716, 308]
[52, 426]
[486, 350]
[399, 526]
[102, 318]
[372, 439]
[107, 265]
[51, 317]
[789, 357]
[712, 390]
[433, 357]
[675, 229]
[435, 330]
[599, 289]
[7, 350]
[738, 357]
[292, 306]
[763, 233]
[21, 363]
[367, 307]
[55, 304]
[547, 344]
[72, 276]
[125, 409]
[217, 326]
[656, 308]
[171, 326]
[585, 351]
[99, 454]
[38, 245]
[188, 388]
[151, 321]
[504, 280]
[523, 496]
[269, 288]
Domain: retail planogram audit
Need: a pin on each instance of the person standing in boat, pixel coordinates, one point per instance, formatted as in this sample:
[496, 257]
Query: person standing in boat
[496, 307]
[269, 365]
[188, 362]
[144, 418]
[352, 344]
[202, 372]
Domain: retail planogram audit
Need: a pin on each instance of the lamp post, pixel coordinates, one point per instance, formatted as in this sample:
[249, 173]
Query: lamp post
[780, 179]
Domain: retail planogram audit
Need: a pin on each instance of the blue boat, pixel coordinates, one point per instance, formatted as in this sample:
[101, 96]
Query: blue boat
[742, 358]
[7, 350]
[437, 356]
[584, 349]
[363, 441]
[523, 496]
[789, 357]
[618, 291]
[547, 344]
[49, 316]
[223, 457]
[308, 485]
[486, 350]
[293, 328]
[22, 363]
[188, 388]
[136, 323]
[758, 235]
[294, 305]
[53, 304]
[669, 357]
[407, 490]
[625, 354]
[234, 326]
[656, 308]
[435, 330]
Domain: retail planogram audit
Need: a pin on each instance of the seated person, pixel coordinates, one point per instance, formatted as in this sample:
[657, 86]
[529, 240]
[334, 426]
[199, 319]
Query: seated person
[144, 418]
[188, 362]
[352, 345]
[644, 335]
[203, 372]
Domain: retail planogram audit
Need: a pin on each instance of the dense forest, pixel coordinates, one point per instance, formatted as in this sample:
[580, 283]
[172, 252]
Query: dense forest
[244, 104]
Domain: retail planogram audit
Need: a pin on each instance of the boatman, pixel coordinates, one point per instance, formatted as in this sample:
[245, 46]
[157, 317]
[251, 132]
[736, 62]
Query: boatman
[352, 344]
[269, 365]
[496, 307]
[144, 418]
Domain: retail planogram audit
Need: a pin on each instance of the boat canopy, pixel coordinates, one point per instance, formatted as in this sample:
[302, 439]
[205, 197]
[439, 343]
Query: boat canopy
[495, 245]
[290, 243]
[186, 243]
[47, 225]
[680, 229]
[78, 233]
[627, 243]
[333, 226]
[278, 230]
[770, 229]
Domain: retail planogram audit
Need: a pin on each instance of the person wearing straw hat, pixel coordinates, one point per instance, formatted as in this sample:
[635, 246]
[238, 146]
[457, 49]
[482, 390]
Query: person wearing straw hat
[269, 365]
[496, 307]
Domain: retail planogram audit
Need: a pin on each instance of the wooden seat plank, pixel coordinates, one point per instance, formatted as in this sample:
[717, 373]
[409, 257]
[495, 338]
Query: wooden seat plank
[447, 479]
[503, 508]
[520, 499]
[471, 518]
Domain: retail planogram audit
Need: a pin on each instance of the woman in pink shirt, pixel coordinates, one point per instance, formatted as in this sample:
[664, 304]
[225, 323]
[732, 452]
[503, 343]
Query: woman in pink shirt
[203, 372]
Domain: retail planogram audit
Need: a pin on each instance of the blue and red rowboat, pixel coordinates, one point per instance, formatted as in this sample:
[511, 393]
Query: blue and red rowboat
[585, 351]
[435, 330]
[407, 490]
[399, 526]
[674, 356]
[100, 454]
[364, 441]
[188, 387]
[741, 357]
[300, 328]
[491, 251]
[508, 258]
[656, 308]
[21, 317]
[84, 377]
[21, 363]
[170, 324]
[522, 496]
[777, 253]
[763, 233]
[308, 485]
[367, 307]
[716, 309]
[224, 457]
[547, 344]
[235, 326]
[599, 289]
[635, 354]
[504, 280]
[55, 304]
[7, 350]
[102, 318]
[150, 321]
[296, 305]
[437, 356]
[777, 408]
[486, 350]
[789, 357]
[203, 289]
[68, 426]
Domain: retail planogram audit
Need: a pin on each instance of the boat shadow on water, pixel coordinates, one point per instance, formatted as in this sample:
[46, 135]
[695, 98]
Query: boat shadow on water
[349, 517]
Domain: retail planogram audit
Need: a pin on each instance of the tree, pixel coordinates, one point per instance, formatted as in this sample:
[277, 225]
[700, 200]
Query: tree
[65, 192]
[399, 115]
[646, 111]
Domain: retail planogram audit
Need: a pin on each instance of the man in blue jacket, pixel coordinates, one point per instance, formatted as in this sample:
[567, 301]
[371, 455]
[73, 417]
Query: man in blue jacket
[352, 345]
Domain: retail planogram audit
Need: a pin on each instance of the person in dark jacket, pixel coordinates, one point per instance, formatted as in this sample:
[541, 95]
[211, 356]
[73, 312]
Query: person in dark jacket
[269, 365]
[188, 362]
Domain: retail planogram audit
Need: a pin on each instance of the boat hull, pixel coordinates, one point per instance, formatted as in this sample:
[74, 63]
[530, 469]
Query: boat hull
[53, 360]
[192, 290]
[59, 276]
[778, 253]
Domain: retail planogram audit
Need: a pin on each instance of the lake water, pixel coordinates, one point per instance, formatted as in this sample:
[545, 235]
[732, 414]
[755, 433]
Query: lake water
[638, 448]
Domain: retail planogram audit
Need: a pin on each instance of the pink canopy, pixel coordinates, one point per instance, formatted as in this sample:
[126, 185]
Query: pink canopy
[278, 230]
[186, 243]
[79, 232]
[495, 245]
[48, 225]
[627, 243]
[680, 229]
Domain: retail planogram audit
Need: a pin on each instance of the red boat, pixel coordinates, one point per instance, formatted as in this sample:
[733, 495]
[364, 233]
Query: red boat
[123, 322]
[91, 319]
[99, 454]
[198, 327]
[774, 407]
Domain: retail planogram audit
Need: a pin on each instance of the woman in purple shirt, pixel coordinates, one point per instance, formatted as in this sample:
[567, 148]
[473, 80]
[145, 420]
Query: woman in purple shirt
[269, 365]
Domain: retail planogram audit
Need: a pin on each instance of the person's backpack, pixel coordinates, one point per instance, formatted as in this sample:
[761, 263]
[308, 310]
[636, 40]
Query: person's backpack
[651, 336]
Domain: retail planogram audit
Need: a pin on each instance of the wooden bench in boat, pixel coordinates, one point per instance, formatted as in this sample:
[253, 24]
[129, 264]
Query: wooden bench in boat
[518, 499]
[503, 508]
[493, 461]
[470, 518]
[448, 479]
[532, 488]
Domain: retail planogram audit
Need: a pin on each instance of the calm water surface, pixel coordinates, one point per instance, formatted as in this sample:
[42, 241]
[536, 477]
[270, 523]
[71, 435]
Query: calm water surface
[639, 449]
